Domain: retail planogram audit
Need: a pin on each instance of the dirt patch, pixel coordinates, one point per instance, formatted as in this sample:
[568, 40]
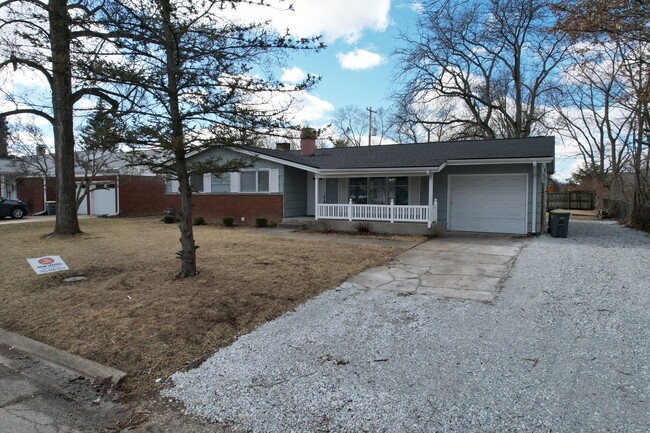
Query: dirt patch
[134, 314]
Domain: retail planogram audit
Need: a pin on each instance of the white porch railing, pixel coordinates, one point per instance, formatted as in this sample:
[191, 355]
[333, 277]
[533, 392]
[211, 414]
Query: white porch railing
[377, 212]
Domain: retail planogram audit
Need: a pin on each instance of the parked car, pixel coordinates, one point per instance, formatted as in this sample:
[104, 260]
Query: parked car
[13, 208]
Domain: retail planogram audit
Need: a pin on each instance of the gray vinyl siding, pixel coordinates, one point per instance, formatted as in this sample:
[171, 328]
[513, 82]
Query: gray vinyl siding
[222, 184]
[424, 190]
[295, 191]
[440, 185]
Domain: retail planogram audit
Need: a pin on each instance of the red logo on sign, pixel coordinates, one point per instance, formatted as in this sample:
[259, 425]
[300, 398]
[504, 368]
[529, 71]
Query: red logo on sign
[46, 261]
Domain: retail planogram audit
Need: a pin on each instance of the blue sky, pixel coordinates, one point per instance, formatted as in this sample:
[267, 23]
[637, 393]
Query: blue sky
[355, 68]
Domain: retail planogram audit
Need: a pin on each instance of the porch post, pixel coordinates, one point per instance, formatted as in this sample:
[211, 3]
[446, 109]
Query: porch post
[350, 209]
[534, 222]
[430, 200]
[316, 179]
[392, 210]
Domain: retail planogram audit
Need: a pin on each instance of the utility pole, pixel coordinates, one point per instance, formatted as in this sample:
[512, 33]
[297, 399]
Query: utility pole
[370, 111]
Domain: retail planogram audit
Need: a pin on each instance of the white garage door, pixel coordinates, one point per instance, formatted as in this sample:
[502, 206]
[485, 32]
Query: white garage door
[494, 204]
[103, 200]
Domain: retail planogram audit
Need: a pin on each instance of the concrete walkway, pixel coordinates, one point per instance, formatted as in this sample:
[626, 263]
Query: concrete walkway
[467, 266]
[37, 219]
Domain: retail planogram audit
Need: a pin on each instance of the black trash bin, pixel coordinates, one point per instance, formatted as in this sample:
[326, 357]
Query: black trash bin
[558, 223]
[50, 207]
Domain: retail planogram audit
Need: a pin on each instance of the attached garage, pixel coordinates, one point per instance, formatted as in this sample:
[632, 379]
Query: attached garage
[496, 203]
[102, 199]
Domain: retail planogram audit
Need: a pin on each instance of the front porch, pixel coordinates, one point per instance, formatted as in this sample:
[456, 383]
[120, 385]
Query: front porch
[398, 198]
[373, 212]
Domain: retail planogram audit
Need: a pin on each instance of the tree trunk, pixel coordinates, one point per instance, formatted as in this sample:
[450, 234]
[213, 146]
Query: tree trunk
[67, 222]
[188, 247]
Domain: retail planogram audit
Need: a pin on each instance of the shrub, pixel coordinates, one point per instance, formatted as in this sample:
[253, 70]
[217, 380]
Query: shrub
[169, 219]
[261, 222]
[228, 221]
[199, 221]
[363, 227]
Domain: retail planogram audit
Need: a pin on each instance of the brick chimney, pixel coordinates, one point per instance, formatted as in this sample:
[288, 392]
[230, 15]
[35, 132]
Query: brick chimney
[40, 150]
[308, 141]
[285, 147]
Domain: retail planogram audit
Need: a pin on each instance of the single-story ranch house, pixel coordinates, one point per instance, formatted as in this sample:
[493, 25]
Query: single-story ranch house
[495, 186]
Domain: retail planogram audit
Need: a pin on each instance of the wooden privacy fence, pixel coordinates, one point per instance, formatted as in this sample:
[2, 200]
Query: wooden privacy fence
[571, 200]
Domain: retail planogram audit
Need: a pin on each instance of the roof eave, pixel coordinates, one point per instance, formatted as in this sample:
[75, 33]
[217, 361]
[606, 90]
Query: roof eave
[493, 161]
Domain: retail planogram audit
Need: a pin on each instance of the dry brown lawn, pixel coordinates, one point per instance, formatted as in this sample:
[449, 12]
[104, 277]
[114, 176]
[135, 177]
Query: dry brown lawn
[134, 314]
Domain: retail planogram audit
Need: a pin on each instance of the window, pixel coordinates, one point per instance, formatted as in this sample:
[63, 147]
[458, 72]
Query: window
[171, 186]
[254, 181]
[264, 180]
[379, 190]
[196, 182]
[248, 181]
[359, 190]
[220, 184]
[398, 190]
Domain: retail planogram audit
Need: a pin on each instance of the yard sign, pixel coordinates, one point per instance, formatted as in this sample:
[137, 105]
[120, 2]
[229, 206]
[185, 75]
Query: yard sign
[48, 264]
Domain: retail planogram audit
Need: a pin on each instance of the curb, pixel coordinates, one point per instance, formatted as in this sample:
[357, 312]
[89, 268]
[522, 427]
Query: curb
[92, 370]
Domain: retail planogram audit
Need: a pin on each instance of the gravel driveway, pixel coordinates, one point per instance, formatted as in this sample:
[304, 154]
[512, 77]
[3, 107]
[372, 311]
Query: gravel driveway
[564, 347]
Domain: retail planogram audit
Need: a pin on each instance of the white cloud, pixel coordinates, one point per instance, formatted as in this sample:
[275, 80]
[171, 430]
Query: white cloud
[334, 19]
[293, 75]
[417, 7]
[359, 59]
[309, 108]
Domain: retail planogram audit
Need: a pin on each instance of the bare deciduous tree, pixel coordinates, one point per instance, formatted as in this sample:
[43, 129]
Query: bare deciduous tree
[51, 38]
[592, 111]
[495, 59]
[625, 24]
[351, 126]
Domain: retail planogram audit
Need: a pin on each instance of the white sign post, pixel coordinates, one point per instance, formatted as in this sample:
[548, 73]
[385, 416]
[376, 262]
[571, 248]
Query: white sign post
[48, 264]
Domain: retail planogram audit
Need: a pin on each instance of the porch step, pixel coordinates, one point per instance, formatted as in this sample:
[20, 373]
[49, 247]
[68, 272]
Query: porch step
[292, 225]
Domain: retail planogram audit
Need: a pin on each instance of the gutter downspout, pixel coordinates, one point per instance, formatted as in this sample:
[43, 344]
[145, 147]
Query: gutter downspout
[45, 194]
[534, 228]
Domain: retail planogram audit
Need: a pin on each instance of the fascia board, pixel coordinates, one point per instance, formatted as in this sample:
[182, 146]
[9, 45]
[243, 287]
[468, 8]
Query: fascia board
[394, 171]
[498, 161]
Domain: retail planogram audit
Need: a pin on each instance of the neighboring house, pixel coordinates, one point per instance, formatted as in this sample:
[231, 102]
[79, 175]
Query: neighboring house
[8, 176]
[112, 184]
[495, 186]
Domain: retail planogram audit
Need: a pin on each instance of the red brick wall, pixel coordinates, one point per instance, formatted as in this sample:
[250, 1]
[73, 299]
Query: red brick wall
[213, 207]
[30, 190]
[142, 195]
[146, 196]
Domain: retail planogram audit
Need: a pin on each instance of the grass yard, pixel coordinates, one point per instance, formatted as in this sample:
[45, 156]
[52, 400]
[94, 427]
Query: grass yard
[134, 314]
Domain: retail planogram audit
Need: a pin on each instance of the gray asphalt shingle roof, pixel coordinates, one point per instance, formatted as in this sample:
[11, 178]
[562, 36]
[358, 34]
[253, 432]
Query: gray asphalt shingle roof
[417, 155]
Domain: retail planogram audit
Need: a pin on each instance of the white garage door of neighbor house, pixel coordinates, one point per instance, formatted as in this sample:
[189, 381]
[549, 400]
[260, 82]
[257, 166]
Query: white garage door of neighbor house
[103, 201]
[494, 203]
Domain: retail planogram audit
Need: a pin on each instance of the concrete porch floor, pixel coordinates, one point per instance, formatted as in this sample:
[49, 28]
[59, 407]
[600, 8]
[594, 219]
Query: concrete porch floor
[456, 265]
